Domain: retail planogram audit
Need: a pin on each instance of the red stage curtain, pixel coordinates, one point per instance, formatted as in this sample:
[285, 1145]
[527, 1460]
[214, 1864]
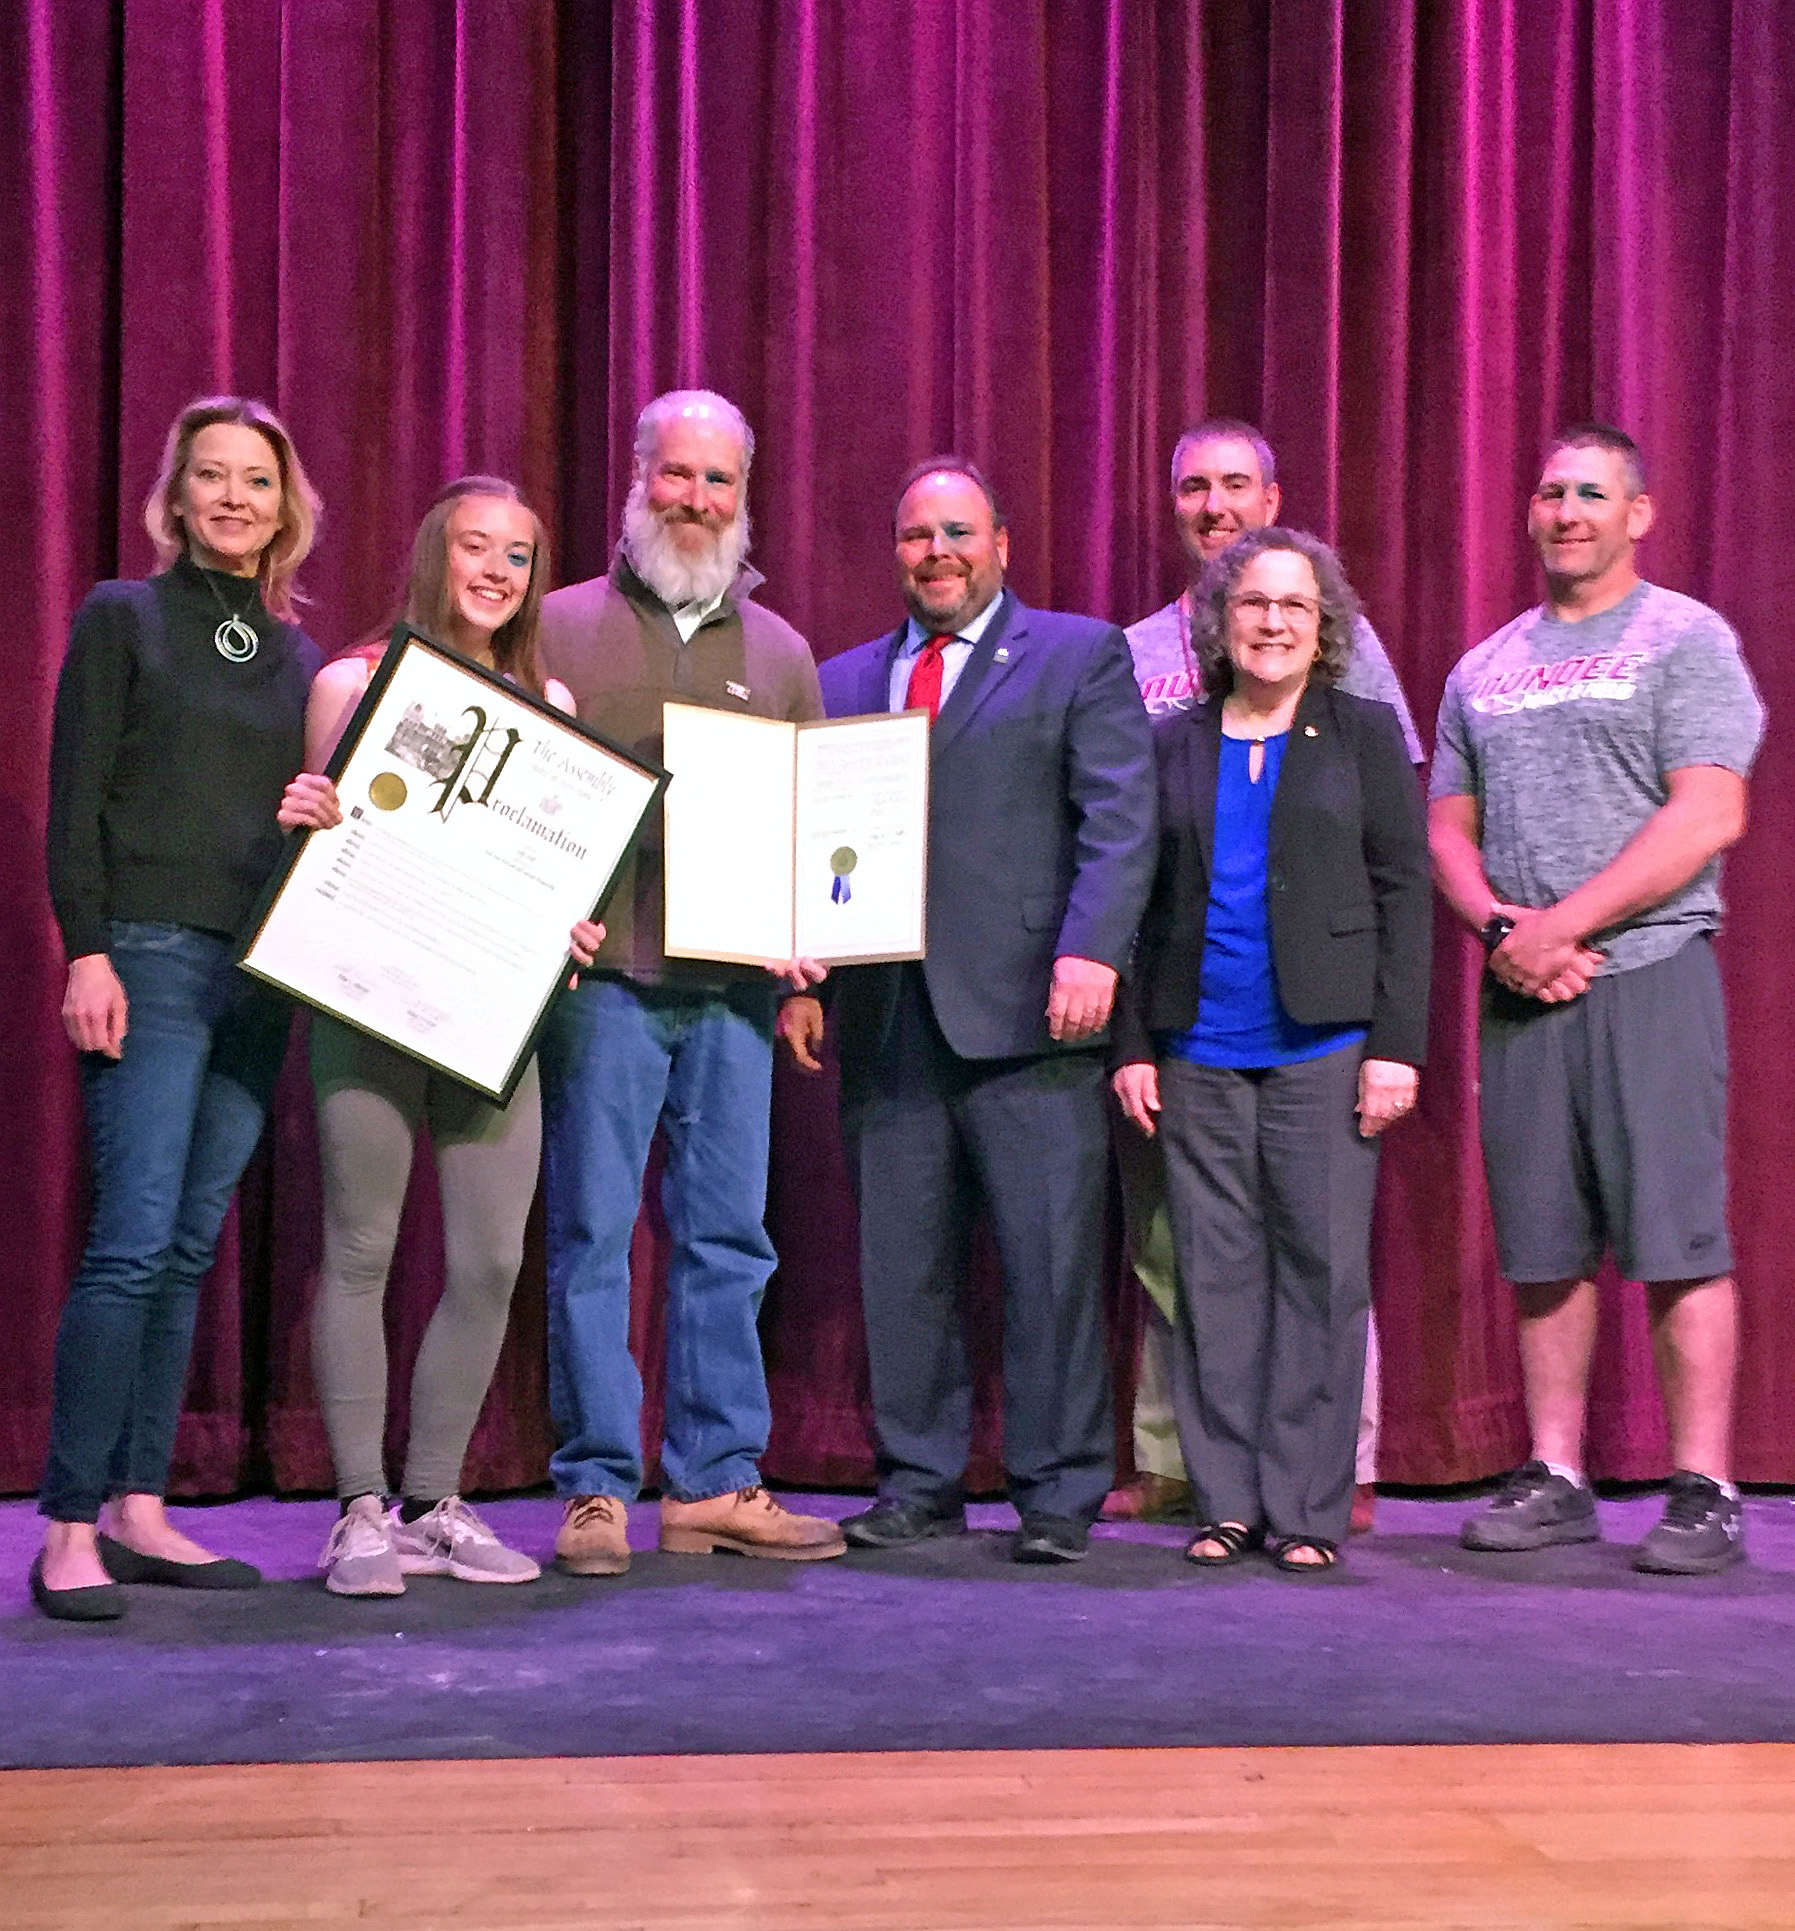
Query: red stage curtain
[1409, 236]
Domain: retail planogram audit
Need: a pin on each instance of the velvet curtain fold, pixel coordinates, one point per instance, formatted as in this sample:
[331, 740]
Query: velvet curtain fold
[1408, 236]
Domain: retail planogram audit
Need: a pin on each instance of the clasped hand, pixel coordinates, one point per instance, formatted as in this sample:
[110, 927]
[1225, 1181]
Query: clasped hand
[1540, 961]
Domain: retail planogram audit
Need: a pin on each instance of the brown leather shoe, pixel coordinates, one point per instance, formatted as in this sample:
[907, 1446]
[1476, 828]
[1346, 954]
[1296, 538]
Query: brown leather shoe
[1148, 1498]
[1364, 1508]
[594, 1537]
[750, 1523]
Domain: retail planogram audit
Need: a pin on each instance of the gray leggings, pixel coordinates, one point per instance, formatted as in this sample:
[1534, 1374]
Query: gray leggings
[371, 1101]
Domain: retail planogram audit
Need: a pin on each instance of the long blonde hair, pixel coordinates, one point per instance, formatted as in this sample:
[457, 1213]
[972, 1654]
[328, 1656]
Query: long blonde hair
[299, 505]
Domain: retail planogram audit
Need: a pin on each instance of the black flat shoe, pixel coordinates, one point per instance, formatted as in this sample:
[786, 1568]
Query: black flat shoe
[94, 1602]
[222, 1572]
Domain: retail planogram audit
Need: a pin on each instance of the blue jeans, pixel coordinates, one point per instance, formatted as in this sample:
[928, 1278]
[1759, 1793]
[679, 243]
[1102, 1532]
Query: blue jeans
[617, 1060]
[172, 1123]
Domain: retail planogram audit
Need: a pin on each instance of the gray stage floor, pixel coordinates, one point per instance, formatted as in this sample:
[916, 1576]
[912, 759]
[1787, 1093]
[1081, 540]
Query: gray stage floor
[949, 1646]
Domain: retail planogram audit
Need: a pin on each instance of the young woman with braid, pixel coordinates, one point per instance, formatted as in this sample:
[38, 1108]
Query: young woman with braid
[477, 573]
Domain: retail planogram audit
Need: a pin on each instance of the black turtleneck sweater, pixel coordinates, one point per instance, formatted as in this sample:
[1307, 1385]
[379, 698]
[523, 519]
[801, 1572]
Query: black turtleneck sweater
[167, 761]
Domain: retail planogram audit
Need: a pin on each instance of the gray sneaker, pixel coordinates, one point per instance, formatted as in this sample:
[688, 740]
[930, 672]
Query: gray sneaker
[452, 1541]
[359, 1560]
[1534, 1509]
[1701, 1532]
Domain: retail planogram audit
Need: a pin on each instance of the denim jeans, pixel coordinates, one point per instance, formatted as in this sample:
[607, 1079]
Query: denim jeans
[617, 1059]
[172, 1123]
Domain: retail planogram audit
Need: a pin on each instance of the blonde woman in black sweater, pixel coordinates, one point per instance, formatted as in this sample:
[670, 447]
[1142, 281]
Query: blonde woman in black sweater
[179, 720]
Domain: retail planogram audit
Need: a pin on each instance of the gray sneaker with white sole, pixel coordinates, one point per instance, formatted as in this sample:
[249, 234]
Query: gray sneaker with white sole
[451, 1540]
[359, 1559]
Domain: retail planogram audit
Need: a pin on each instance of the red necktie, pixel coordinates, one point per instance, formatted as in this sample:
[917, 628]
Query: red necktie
[924, 692]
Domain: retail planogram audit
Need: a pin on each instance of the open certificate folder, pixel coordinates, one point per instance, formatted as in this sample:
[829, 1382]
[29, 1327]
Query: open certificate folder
[795, 840]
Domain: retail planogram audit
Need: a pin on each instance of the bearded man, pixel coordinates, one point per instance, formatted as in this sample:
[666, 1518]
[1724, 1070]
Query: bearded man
[646, 1041]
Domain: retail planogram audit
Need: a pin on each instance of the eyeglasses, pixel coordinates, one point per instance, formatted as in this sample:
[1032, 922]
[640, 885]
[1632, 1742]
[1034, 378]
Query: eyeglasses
[1256, 604]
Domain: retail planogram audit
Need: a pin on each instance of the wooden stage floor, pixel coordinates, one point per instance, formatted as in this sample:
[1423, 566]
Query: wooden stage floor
[1678, 1836]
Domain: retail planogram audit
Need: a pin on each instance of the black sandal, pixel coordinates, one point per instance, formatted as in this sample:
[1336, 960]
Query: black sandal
[1236, 1540]
[1286, 1547]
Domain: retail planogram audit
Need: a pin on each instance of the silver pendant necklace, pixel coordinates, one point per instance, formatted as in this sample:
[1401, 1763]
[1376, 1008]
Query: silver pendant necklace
[234, 639]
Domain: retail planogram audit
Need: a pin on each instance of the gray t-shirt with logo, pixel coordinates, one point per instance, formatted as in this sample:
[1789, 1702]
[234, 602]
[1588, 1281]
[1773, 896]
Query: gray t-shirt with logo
[1165, 669]
[1566, 735]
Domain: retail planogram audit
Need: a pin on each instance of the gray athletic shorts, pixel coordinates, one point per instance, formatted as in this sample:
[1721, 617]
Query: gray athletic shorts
[1604, 1125]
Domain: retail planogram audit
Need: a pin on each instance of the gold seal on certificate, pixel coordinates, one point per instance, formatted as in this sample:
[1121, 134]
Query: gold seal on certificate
[479, 824]
[795, 840]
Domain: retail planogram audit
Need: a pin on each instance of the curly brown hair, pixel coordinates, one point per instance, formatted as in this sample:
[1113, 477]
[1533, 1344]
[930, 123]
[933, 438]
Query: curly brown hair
[1209, 605]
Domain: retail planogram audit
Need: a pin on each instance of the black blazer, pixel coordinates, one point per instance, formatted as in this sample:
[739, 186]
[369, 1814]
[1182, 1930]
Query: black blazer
[1040, 828]
[1347, 879]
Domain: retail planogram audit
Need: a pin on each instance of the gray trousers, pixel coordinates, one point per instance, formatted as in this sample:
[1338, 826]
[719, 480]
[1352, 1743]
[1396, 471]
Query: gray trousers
[371, 1102]
[1147, 1236]
[1271, 1190]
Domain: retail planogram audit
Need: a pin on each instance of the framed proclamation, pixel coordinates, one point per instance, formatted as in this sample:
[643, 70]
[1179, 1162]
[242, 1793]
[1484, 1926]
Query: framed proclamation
[479, 824]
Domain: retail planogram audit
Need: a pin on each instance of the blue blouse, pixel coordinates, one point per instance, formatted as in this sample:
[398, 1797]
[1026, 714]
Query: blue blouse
[1241, 1023]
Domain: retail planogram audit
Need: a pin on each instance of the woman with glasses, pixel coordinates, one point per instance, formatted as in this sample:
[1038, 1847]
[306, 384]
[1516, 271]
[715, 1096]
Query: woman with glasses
[1270, 1032]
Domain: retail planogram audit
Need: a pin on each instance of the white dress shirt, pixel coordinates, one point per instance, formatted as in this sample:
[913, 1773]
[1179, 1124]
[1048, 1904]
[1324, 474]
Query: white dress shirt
[953, 656]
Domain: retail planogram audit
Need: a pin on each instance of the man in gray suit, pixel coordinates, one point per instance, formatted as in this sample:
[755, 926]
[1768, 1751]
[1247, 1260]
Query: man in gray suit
[976, 1072]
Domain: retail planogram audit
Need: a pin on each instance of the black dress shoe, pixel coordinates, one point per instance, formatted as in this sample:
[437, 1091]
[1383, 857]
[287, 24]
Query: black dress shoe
[1050, 1538]
[891, 1524]
[94, 1602]
[222, 1572]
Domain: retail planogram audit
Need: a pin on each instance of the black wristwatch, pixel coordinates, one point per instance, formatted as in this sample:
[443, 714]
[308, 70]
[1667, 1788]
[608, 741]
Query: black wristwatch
[1494, 930]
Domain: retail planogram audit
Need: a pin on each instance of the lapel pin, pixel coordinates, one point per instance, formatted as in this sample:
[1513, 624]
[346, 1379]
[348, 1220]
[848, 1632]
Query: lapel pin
[1002, 654]
[736, 690]
[1309, 731]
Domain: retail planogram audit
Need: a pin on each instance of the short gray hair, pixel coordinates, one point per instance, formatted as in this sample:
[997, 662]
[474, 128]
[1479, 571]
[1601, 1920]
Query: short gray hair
[1213, 429]
[1209, 605]
[677, 402]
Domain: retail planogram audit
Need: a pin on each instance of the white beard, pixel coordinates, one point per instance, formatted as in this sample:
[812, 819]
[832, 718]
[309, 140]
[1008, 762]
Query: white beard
[673, 576]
